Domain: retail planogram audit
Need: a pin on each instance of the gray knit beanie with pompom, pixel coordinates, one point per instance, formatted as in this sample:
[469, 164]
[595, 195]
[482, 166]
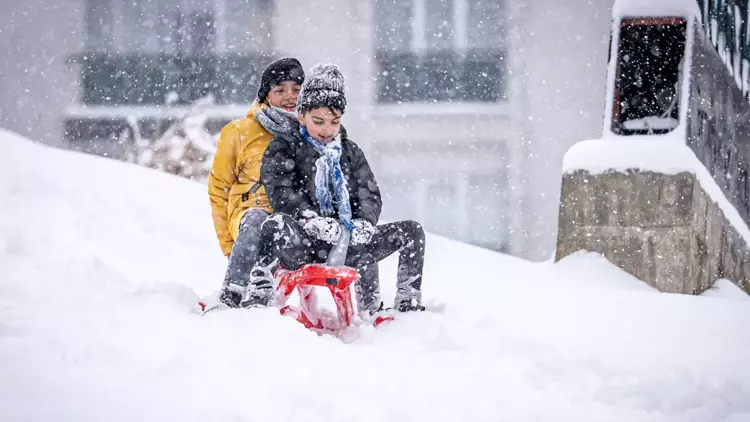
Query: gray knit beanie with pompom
[323, 87]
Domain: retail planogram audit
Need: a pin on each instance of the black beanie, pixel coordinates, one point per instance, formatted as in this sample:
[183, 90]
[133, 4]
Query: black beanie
[286, 69]
[324, 87]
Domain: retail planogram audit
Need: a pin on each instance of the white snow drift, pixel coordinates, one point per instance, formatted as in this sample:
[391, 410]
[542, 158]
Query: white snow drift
[100, 264]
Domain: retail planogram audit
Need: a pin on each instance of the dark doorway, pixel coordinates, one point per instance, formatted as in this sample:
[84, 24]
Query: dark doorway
[647, 85]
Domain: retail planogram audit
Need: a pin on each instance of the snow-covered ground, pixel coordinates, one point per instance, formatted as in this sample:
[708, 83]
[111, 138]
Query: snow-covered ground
[101, 262]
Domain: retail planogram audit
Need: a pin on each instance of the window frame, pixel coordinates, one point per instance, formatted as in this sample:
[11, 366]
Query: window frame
[460, 48]
[115, 74]
[113, 8]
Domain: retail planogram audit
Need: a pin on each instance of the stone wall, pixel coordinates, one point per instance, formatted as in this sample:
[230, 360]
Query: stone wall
[663, 229]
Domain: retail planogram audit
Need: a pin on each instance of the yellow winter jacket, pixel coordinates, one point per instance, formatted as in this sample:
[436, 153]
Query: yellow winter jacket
[234, 182]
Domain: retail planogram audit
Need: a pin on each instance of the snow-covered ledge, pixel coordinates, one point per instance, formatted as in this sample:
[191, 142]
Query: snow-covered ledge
[651, 207]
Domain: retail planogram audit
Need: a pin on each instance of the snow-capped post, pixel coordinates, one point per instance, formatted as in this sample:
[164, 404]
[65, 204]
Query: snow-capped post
[665, 194]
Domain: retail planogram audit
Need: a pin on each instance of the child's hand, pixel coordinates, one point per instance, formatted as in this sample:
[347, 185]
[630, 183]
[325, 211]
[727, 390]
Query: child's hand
[326, 229]
[362, 232]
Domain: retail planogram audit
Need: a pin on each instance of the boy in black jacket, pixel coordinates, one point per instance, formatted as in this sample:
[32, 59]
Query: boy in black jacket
[318, 180]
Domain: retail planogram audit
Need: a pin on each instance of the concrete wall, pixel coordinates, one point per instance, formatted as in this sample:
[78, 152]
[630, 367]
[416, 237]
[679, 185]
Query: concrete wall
[663, 229]
[36, 83]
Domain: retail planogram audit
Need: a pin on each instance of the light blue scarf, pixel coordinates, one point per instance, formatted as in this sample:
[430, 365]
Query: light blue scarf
[329, 169]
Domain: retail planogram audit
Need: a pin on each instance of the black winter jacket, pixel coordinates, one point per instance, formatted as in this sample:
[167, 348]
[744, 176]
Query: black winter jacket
[288, 174]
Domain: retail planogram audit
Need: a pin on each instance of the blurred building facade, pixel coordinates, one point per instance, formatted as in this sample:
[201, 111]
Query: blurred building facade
[465, 107]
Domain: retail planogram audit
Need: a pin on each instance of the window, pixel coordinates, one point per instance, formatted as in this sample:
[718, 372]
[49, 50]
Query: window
[139, 50]
[171, 26]
[440, 50]
[647, 85]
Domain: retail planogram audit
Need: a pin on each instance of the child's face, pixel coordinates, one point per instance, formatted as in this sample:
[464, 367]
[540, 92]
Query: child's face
[284, 95]
[322, 123]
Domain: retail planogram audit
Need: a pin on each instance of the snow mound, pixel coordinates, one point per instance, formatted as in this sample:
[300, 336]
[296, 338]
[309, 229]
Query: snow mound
[101, 262]
[725, 289]
[602, 155]
[587, 268]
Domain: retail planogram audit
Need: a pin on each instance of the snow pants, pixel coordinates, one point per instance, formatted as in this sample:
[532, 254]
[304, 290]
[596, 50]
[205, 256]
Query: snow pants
[245, 250]
[284, 240]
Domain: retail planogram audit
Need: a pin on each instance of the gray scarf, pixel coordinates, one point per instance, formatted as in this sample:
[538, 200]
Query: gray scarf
[277, 120]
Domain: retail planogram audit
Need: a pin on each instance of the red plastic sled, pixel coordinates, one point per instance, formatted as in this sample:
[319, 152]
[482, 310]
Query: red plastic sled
[338, 281]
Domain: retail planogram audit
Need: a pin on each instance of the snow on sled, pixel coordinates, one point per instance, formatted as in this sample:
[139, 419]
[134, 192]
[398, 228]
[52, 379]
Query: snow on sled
[337, 280]
[332, 275]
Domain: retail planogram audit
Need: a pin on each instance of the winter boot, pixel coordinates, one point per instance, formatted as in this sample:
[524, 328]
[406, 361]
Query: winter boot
[230, 298]
[260, 289]
[231, 294]
[409, 296]
[408, 305]
[370, 313]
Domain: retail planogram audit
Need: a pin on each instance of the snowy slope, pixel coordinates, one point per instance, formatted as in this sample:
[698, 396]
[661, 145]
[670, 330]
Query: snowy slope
[100, 263]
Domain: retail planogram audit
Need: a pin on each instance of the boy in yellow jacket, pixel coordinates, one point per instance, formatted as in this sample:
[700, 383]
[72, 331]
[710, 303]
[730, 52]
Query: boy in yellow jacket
[238, 200]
